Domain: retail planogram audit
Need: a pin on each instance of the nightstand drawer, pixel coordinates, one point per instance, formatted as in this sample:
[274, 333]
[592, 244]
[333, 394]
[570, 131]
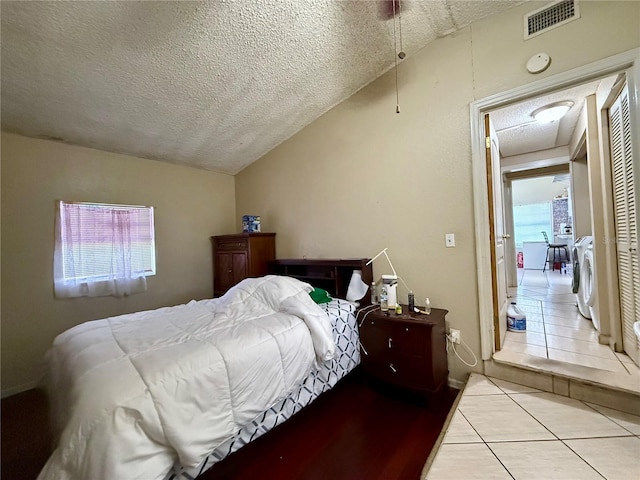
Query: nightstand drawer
[402, 370]
[383, 335]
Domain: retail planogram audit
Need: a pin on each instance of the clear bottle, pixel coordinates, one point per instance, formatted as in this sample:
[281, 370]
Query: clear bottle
[427, 306]
[384, 299]
[374, 297]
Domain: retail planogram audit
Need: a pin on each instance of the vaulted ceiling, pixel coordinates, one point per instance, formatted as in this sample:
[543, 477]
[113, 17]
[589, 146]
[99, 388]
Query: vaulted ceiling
[214, 85]
[519, 133]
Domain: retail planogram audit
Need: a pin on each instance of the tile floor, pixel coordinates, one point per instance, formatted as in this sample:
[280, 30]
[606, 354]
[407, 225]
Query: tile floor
[501, 430]
[556, 330]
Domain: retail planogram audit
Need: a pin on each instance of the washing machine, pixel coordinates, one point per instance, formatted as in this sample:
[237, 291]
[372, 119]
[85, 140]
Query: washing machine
[588, 272]
[581, 276]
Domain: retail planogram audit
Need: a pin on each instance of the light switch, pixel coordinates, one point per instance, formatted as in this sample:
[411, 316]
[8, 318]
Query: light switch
[450, 240]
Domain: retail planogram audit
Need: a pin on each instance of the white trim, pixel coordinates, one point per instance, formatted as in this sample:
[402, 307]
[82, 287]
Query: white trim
[616, 63]
[457, 384]
[19, 389]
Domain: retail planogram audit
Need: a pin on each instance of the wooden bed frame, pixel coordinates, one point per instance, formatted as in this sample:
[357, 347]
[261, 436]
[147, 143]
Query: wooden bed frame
[333, 275]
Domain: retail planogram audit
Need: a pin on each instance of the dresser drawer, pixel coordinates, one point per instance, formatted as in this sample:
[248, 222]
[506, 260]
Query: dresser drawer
[229, 244]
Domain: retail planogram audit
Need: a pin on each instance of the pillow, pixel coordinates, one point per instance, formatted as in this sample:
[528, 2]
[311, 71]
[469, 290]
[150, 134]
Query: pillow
[320, 296]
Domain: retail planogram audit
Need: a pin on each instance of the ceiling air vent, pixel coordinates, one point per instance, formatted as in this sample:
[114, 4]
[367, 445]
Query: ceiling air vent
[549, 17]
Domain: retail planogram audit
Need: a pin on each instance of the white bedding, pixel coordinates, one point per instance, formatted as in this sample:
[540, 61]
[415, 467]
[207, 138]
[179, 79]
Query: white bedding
[137, 393]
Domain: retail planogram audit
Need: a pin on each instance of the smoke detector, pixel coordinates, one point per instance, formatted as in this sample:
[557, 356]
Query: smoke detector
[538, 63]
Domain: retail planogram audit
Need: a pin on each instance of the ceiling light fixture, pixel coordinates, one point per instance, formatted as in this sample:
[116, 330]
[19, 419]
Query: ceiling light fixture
[552, 112]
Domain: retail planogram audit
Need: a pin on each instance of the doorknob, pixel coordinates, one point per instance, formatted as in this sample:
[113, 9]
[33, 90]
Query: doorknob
[506, 236]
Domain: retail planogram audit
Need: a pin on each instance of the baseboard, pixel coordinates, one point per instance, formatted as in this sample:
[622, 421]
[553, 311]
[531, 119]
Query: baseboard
[457, 384]
[18, 389]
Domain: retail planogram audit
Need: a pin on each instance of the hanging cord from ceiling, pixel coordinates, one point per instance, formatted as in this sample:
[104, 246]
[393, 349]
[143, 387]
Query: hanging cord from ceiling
[401, 53]
[397, 54]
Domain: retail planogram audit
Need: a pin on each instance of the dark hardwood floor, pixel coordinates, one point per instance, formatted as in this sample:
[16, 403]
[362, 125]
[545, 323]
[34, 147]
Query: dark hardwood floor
[358, 430]
[25, 435]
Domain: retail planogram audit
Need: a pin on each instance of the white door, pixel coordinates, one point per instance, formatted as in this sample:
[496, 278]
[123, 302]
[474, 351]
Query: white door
[624, 199]
[496, 233]
[511, 263]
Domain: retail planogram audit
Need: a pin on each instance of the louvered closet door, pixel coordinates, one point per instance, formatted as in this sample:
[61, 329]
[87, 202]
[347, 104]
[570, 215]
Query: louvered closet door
[626, 221]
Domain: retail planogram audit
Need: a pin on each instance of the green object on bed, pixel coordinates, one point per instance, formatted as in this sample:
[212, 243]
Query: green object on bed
[320, 296]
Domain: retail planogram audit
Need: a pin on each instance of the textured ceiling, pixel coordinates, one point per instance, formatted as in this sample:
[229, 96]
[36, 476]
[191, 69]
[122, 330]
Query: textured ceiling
[214, 85]
[519, 133]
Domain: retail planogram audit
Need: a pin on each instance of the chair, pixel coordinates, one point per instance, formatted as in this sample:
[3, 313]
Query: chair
[557, 253]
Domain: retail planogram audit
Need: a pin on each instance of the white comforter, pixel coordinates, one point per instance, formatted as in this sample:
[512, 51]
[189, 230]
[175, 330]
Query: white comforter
[136, 393]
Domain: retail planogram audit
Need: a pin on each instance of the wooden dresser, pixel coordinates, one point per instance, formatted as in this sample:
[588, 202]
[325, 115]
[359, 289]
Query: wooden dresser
[239, 256]
[407, 350]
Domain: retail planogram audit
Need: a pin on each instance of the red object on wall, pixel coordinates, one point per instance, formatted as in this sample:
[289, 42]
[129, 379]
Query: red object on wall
[520, 260]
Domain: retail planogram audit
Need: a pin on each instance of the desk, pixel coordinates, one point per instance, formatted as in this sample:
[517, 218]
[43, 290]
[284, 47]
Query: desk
[534, 255]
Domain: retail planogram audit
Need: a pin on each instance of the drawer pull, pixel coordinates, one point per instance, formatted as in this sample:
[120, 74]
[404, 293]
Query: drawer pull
[393, 369]
[389, 343]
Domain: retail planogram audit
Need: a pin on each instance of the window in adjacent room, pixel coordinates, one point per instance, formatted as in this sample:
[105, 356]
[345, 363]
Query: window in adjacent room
[531, 220]
[103, 249]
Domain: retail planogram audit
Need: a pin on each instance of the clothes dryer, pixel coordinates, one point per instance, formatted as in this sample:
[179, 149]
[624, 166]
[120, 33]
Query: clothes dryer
[590, 291]
[580, 276]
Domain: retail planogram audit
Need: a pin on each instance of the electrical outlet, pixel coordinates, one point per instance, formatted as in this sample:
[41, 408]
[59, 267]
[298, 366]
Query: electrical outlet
[455, 335]
[450, 240]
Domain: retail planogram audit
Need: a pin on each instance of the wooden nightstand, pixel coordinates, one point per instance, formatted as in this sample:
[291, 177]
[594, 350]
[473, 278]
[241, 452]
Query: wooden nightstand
[407, 350]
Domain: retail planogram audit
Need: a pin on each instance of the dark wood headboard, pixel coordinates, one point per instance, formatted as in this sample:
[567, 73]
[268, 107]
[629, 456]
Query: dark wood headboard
[331, 275]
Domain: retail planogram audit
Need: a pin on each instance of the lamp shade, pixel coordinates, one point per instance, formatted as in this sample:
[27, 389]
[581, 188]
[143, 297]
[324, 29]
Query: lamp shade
[357, 288]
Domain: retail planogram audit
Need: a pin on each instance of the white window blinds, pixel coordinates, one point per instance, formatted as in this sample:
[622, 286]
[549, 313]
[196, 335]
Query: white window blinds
[531, 220]
[103, 249]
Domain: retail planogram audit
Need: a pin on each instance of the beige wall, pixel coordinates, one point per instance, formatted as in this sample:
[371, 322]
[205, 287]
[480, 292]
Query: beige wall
[362, 177]
[580, 197]
[190, 206]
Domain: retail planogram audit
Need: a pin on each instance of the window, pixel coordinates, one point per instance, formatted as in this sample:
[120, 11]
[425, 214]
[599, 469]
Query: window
[530, 221]
[103, 249]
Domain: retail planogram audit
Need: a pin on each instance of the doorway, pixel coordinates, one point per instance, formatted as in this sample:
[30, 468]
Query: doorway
[559, 83]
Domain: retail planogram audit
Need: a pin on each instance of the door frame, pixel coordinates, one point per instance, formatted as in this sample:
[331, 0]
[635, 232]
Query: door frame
[625, 61]
[509, 228]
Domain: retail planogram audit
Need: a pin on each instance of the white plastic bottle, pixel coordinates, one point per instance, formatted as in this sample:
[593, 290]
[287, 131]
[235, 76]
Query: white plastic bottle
[516, 319]
[427, 306]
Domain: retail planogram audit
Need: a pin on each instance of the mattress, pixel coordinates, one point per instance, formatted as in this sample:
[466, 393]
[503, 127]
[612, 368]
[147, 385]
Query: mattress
[347, 357]
[137, 393]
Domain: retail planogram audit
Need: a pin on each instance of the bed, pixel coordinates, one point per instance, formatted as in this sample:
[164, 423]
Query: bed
[166, 394]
